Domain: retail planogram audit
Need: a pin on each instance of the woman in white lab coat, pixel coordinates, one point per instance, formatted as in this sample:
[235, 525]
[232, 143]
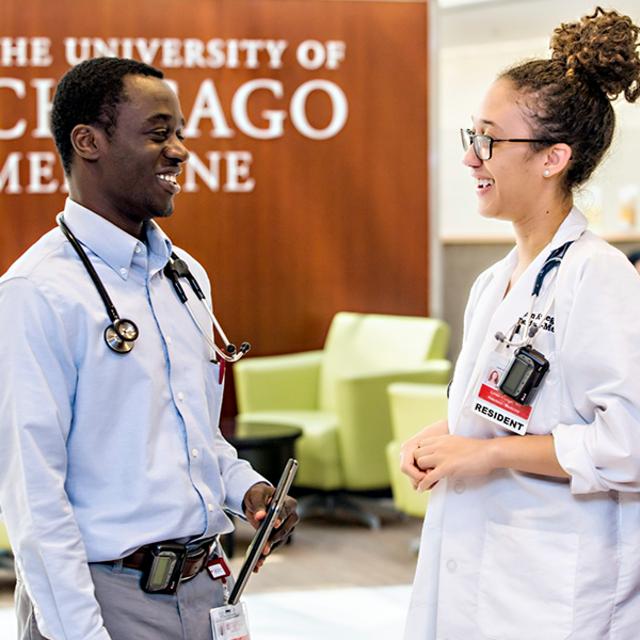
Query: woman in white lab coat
[537, 536]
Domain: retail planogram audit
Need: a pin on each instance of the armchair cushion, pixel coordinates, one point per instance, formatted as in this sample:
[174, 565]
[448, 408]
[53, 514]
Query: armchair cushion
[317, 446]
[272, 383]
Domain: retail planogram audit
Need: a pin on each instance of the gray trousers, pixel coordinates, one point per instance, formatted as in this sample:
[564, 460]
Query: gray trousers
[129, 613]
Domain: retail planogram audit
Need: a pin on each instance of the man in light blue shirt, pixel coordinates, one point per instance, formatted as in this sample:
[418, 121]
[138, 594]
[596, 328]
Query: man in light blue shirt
[105, 454]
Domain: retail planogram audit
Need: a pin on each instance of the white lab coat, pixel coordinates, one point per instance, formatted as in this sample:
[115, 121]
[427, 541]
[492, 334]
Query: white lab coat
[516, 556]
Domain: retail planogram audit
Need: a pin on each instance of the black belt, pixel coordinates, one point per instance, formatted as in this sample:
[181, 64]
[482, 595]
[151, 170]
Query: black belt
[196, 559]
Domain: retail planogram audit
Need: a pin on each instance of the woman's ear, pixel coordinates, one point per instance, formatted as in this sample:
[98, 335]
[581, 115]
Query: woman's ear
[557, 158]
[86, 141]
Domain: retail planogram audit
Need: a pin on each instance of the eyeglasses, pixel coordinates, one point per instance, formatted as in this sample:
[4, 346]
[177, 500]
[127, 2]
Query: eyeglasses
[483, 145]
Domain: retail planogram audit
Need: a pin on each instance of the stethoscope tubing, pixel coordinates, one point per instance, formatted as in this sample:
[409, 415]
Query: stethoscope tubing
[121, 334]
[177, 268]
[106, 299]
[530, 329]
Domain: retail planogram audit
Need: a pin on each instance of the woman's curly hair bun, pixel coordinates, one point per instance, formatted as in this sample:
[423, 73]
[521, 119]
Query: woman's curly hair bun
[601, 49]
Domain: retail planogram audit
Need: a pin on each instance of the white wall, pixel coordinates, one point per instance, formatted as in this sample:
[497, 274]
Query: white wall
[475, 42]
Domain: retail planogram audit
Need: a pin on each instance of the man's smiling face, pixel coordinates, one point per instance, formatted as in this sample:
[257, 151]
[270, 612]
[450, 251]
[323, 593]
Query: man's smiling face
[140, 162]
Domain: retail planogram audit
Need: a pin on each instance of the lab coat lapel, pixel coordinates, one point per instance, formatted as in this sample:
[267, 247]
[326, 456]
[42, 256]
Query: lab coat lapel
[496, 312]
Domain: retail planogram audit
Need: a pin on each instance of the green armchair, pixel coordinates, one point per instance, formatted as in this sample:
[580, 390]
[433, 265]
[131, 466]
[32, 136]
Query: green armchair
[413, 407]
[338, 396]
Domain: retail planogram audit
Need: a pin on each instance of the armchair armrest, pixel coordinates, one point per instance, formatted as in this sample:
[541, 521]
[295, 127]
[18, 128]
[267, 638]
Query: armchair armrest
[274, 383]
[365, 419]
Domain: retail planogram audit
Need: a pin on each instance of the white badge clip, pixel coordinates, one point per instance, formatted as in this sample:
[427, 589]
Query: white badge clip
[230, 622]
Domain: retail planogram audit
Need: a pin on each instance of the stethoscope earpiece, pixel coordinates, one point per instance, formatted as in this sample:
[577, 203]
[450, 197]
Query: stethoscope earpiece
[121, 335]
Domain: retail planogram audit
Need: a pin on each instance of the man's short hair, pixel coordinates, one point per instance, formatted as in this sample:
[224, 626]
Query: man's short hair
[90, 93]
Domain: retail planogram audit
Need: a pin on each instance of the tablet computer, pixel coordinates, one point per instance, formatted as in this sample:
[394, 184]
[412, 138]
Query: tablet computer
[264, 530]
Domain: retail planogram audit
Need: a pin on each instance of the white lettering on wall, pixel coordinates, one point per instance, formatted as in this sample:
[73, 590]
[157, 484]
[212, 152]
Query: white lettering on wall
[207, 105]
[164, 52]
[44, 96]
[41, 165]
[17, 131]
[25, 52]
[10, 174]
[298, 109]
[216, 170]
[275, 119]
[312, 54]
[237, 164]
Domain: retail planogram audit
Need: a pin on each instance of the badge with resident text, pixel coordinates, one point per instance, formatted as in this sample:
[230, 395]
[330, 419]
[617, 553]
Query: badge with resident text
[230, 622]
[493, 405]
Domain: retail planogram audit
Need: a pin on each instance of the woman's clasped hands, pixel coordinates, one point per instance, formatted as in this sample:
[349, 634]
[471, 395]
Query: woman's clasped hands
[434, 454]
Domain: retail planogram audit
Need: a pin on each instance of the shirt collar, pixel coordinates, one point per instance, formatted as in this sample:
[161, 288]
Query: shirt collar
[111, 244]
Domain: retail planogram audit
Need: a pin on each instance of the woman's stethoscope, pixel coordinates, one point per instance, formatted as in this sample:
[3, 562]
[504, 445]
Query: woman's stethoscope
[531, 328]
[122, 333]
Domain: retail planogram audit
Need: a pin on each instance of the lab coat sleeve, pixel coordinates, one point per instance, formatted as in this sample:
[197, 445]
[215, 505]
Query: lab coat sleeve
[599, 356]
[37, 381]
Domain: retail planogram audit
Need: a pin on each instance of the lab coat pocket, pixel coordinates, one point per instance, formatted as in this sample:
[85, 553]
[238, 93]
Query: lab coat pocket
[527, 583]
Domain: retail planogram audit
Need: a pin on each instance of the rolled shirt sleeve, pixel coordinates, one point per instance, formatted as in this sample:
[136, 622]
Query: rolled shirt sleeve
[599, 352]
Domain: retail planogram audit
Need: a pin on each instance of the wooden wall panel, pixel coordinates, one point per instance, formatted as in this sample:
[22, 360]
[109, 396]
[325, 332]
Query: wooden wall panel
[335, 224]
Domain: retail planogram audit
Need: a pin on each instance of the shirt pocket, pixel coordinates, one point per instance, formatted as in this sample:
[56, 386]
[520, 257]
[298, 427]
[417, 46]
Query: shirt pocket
[527, 583]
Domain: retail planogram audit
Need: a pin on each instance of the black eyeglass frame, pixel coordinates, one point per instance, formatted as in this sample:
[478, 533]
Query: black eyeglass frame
[474, 136]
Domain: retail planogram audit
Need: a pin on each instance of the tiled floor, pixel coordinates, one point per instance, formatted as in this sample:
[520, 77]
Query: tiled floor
[374, 613]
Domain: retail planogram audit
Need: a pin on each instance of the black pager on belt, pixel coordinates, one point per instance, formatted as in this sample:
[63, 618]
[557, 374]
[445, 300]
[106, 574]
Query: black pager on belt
[523, 375]
[165, 561]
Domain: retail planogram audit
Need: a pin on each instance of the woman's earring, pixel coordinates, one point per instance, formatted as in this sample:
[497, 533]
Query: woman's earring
[546, 173]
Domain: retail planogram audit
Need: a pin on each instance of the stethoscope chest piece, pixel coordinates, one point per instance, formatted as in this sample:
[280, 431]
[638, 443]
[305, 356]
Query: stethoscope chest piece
[121, 335]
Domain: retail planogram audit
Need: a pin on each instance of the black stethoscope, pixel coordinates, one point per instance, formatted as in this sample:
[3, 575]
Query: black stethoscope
[122, 333]
[531, 328]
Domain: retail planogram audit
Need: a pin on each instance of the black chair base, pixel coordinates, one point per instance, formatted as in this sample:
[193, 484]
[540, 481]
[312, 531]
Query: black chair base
[339, 505]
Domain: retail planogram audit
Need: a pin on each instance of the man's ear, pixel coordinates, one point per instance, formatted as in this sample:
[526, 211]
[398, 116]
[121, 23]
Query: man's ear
[557, 158]
[87, 141]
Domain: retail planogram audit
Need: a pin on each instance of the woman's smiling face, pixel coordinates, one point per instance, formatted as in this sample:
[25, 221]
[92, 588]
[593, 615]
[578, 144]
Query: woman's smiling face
[507, 185]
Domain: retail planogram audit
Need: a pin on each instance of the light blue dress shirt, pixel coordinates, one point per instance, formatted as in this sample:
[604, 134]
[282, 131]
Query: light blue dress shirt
[104, 452]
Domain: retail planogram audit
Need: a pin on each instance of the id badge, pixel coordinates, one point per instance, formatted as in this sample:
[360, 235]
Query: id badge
[230, 622]
[493, 405]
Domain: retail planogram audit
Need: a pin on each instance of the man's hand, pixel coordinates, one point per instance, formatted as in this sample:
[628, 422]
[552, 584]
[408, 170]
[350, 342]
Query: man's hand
[255, 504]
